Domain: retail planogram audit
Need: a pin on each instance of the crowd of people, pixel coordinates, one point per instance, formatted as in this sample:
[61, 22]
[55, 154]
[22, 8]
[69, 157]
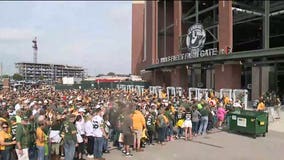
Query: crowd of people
[77, 124]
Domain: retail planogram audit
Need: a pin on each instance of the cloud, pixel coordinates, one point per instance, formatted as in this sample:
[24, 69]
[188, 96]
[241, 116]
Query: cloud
[16, 34]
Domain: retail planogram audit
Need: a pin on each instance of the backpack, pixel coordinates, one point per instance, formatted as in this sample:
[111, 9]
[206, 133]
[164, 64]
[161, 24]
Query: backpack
[162, 121]
[166, 119]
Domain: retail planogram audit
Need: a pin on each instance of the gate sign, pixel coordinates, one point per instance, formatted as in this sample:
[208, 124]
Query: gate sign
[196, 37]
[195, 41]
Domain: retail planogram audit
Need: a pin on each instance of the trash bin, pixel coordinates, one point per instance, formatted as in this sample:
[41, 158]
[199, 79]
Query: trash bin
[251, 122]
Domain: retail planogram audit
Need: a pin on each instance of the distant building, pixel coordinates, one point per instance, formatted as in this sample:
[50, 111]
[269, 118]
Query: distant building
[71, 80]
[114, 78]
[48, 72]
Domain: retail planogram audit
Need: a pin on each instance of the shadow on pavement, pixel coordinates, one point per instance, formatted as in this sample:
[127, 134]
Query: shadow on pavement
[208, 144]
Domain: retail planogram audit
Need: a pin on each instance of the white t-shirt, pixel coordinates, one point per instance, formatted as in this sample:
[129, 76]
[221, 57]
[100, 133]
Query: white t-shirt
[98, 126]
[237, 105]
[34, 112]
[17, 106]
[88, 127]
[80, 127]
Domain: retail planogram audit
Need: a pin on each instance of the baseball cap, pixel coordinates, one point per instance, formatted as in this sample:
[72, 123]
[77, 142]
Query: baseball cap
[98, 106]
[81, 110]
[13, 118]
[25, 117]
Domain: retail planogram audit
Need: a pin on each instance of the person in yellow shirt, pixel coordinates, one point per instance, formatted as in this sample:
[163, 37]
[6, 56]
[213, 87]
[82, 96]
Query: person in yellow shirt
[226, 100]
[40, 140]
[261, 105]
[6, 143]
[138, 125]
[164, 94]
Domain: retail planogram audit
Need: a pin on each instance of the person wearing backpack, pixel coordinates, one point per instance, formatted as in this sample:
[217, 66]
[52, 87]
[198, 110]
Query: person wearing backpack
[150, 124]
[161, 127]
[170, 118]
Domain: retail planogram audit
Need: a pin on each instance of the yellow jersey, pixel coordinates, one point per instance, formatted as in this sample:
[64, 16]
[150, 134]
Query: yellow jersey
[3, 138]
[39, 137]
[261, 106]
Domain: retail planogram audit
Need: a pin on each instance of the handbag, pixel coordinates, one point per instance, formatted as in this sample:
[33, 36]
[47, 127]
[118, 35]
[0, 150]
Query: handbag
[79, 138]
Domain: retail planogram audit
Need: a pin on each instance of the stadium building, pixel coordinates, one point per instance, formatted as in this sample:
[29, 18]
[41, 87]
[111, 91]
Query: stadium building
[210, 44]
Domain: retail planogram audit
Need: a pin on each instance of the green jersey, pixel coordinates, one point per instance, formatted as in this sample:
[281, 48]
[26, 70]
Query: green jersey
[22, 135]
[69, 131]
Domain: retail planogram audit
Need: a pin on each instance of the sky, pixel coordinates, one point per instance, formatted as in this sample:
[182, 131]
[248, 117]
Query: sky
[93, 34]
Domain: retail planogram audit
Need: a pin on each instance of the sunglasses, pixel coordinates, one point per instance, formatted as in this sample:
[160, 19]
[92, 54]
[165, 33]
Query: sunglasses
[4, 127]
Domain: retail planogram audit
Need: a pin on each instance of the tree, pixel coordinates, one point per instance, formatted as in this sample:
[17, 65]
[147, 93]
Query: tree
[17, 77]
[5, 76]
[41, 77]
[99, 75]
[111, 74]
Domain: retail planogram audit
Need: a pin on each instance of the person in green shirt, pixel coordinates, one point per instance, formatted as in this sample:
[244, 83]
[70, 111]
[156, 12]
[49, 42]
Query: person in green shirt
[55, 144]
[68, 132]
[22, 139]
[150, 124]
[170, 116]
[204, 120]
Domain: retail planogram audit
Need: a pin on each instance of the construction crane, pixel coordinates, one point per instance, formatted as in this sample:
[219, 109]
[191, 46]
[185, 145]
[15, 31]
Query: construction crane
[35, 49]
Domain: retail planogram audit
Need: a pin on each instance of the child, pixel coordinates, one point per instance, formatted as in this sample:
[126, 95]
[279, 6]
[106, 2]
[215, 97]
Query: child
[220, 115]
[187, 125]
[180, 121]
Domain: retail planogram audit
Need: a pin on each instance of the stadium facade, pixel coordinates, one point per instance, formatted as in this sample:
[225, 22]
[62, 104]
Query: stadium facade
[210, 44]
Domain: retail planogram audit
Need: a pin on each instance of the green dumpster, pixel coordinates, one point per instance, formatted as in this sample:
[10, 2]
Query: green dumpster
[251, 122]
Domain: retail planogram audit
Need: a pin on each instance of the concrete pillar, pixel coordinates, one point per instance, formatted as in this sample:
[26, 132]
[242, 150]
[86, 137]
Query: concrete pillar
[137, 36]
[225, 24]
[260, 80]
[197, 75]
[265, 79]
[255, 93]
[209, 78]
[155, 32]
[179, 77]
[177, 25]
[226, 75]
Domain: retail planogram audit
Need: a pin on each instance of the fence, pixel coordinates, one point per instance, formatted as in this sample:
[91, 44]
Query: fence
[102, 85]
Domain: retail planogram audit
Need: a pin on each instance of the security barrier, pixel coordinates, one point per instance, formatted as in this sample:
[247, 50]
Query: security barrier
[242, 95]
[171, 91]
[226, 93]
[87, 85]
[139, 87]
[139, 90]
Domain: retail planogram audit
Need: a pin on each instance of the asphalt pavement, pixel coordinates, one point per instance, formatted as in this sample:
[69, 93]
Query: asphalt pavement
[218, 144]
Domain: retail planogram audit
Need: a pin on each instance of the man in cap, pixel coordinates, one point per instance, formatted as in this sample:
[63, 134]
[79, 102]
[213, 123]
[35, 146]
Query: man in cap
[68, 133]
[23, 139]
